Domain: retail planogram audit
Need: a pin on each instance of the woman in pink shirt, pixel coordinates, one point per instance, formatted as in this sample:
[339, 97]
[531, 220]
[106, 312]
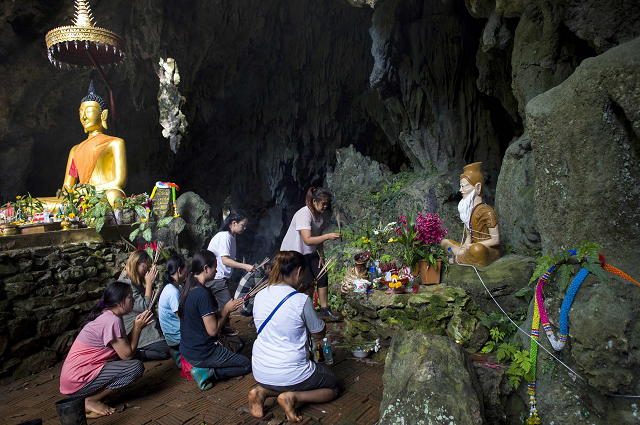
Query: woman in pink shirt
[101, 358]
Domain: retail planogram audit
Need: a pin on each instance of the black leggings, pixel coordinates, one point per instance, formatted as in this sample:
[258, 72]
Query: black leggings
[313, 262]
[156, 351]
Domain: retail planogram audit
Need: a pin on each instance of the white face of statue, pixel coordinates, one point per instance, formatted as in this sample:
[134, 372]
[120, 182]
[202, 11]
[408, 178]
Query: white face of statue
[465, 188]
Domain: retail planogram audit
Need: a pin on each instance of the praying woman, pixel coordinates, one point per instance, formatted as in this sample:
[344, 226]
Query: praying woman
[101, 359]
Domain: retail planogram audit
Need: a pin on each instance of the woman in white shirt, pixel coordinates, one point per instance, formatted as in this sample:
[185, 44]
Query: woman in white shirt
[280, 361]
[305, 236]
[223, 245]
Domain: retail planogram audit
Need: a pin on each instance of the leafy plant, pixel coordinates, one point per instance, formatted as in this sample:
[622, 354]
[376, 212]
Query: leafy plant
[550, 366]
[143, 225]
[335, 302]
[133, 201]
[95, 208]
[587, 256]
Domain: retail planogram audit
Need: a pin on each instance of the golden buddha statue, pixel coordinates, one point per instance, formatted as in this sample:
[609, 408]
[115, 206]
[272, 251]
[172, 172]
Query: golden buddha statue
[100, 160]
[481, 237]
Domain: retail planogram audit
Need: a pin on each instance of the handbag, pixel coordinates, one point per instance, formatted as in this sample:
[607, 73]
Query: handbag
[232, 343]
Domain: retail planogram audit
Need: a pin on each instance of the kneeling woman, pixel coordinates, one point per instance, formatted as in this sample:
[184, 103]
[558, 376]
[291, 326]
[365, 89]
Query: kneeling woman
[101, 358]
[201, 323]
[141, 276]
[281, 363]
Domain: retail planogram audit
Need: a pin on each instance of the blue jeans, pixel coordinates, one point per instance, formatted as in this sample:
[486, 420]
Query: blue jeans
[224, 363]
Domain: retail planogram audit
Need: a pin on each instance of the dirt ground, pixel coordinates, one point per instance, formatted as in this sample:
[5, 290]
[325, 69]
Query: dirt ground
[162, 396]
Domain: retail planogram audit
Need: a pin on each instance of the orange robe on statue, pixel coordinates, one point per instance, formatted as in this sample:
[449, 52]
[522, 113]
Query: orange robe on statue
[483, 217]
[86, 155]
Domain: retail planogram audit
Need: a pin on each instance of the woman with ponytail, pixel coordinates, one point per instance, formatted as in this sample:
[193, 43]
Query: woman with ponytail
[101, 358]
[141, 277]
[223, 245]
[174, 275]
[201, 322]
[305, 236]
[280, 361]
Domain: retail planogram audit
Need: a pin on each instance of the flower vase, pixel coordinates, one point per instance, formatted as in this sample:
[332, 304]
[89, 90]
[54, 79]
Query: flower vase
[430, 274]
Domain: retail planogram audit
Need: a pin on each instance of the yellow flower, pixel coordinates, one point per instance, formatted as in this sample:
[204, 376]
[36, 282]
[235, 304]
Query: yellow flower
[72, 215]
[366, 240]
[18, 197]
[391, 240]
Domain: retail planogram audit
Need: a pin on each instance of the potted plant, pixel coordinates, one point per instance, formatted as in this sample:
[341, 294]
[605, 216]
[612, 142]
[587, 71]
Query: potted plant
[130, 207]
[420, 238]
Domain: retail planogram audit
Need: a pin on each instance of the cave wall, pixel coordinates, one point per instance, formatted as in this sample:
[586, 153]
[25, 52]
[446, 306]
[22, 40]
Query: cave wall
[272, 89]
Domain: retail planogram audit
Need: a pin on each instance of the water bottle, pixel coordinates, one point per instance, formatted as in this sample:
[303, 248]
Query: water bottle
[372, 269]
[328, 357]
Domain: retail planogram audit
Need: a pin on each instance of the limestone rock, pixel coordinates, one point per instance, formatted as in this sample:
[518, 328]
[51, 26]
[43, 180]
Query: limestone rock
[515, 204]
[35, 363]
[417, 64]
[603, 24]
[585, 136]
[504, 278]
[429, 379]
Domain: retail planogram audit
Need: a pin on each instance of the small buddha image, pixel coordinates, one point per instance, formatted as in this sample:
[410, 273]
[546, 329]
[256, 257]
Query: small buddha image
[481, 244]
[100, 160]
[357, 271]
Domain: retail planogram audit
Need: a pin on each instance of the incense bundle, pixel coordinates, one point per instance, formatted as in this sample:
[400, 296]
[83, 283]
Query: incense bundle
[325, 269]
[155, 296]
[157, 253]
[259, 287]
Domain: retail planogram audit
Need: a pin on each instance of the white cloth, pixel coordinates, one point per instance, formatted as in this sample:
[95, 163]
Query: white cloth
[465, 206]
[302, 220]
[223, 244]
[281, 353]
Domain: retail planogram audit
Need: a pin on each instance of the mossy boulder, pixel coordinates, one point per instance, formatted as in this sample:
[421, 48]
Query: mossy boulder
[503, 278]
[429, 379]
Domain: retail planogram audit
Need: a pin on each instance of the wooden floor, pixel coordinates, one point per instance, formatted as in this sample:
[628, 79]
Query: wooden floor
[162, 396]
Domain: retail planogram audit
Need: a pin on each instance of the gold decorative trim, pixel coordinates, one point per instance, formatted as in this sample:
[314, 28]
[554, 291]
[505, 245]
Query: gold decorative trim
[69, 44]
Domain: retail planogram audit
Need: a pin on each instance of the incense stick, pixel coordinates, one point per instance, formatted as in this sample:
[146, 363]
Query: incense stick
[154, 299]
[259, 287]
[330, 262]
[157, 253]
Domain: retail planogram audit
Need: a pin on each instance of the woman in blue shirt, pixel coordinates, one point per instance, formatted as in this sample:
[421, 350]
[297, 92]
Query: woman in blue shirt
[173, 277]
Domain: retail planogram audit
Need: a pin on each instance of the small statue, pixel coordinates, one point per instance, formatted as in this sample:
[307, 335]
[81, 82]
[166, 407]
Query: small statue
[358, 271]
[481, 245]
[100, 160]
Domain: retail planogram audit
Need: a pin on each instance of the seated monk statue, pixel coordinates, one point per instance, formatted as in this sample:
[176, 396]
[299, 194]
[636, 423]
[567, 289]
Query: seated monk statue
[100, 160]
[481, 238]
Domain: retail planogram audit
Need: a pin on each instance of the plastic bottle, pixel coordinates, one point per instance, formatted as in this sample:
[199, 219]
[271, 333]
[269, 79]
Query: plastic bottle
[319, 356]
[328, 357]
[372, 269]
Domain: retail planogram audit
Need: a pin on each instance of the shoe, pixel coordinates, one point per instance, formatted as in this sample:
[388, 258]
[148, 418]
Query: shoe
[327, 313]
[229, 331]
[202, 376]
[176, 358]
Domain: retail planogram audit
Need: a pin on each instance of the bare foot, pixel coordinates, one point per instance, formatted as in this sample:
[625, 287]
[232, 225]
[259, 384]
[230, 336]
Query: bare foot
[98, 407]
[288, 403]
[257, 397]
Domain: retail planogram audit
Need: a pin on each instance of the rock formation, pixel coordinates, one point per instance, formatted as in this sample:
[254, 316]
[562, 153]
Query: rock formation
[429, 379]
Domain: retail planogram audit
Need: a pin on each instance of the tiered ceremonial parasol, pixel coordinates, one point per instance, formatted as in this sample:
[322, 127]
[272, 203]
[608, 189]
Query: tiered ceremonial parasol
[84, 44]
